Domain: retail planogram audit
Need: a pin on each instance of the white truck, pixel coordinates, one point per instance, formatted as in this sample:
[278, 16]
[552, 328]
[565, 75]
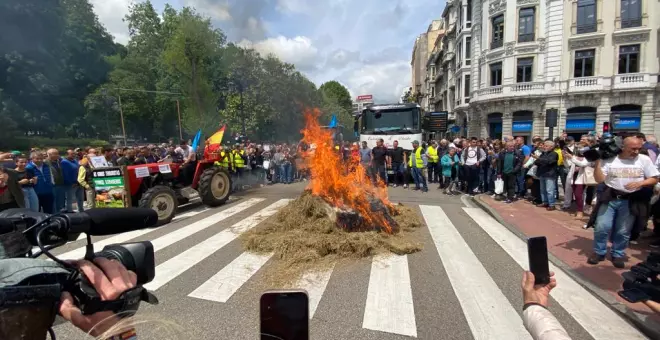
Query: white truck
[400, 122]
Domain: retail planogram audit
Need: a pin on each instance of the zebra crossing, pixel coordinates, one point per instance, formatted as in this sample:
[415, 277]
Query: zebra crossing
[390, 308]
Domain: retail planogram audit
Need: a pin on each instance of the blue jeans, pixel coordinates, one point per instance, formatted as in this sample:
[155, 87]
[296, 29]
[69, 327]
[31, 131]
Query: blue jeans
[31, 199]
[520, 180]
[399, 173]
[547, 190]
[613, 215]
[60, 192]
[286, 174]
[418, 177]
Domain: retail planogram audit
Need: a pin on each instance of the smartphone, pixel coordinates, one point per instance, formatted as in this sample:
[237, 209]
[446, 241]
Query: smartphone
[284, 315]
[537, 250]
[634, 295]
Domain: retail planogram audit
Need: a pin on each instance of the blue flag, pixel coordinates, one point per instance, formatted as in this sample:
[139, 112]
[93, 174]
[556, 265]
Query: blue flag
[195, 142]
[333, 122]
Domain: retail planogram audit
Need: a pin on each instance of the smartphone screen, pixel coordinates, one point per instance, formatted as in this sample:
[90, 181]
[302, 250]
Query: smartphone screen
[634, 295]
[284, 315]
[537, 249]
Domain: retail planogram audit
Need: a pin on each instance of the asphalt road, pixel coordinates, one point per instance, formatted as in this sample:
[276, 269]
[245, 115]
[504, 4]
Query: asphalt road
[464, 284]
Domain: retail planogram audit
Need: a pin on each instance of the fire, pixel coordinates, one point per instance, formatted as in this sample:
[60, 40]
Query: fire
[342, 184]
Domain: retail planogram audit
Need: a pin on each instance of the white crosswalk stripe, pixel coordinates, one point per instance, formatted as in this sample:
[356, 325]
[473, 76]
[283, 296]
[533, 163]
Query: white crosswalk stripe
[389, 304]
[600, 321]
[182, 262]
[389, 307]
[488, 312]
[170, 238]
[230, 279]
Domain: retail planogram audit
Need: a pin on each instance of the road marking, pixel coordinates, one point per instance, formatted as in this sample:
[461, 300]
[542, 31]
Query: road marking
[489, 313]
[315, 283]
[177, 265]
[190, 214]
[594, 316]
[389, 307]
[227, 281]
[167, 239]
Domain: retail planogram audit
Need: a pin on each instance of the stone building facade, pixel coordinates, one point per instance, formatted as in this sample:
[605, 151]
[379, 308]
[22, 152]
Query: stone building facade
[594, 61]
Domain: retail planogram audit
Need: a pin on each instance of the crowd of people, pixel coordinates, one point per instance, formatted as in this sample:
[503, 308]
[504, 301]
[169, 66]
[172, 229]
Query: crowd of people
[616, 196]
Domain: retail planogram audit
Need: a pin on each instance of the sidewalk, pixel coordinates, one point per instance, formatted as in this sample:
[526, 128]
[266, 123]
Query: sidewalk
[571, 244]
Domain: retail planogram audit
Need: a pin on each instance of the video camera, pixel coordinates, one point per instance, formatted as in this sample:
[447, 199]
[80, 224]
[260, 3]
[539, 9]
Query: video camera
[641, 282]
[30, 288]
[606, 149]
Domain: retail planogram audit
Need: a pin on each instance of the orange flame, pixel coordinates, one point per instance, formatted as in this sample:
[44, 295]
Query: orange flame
[344, 185]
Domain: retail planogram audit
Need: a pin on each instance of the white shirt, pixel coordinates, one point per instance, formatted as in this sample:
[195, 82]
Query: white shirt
[185, 152]
[472, 155]
[619, 172]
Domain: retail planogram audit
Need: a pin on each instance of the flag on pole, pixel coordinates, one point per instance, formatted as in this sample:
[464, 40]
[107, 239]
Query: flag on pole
[216, 138]
[195, 142]
[333, 121]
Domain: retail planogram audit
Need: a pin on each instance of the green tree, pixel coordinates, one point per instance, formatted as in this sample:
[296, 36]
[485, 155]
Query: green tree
[336, 100]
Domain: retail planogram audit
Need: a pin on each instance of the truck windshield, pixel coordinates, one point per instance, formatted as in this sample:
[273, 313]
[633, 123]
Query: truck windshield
[391, 121]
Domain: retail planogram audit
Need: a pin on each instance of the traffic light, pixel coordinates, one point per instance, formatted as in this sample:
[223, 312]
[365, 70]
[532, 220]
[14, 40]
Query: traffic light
[606, 127]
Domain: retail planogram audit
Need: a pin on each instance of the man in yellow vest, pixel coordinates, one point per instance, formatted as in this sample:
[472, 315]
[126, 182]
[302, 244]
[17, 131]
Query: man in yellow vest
[225, 159]
[240, 158]
[433, 168]
[417, 163]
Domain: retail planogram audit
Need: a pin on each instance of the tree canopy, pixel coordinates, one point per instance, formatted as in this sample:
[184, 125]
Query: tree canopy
[63, 76]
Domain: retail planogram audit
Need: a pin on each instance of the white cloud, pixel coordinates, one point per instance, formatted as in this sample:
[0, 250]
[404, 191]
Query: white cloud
[385, 81]
[298, 51]
[218, 10]
[293, 6]
[111, 14]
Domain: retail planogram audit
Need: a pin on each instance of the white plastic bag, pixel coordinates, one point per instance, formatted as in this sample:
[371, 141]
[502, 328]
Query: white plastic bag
[499, 186]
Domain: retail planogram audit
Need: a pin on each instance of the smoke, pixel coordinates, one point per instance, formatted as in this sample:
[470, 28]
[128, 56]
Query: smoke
[240, 19]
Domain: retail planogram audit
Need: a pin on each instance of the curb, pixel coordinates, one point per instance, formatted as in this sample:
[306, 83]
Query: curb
[647, 326]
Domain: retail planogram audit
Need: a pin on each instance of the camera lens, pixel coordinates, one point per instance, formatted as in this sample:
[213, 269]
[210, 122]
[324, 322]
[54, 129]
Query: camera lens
[137, 257]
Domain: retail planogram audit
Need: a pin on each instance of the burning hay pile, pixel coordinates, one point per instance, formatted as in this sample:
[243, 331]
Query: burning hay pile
[341, 215]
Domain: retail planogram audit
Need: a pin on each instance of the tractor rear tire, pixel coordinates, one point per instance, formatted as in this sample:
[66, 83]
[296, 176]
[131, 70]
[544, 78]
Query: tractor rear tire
[163, 200]
[214, 186]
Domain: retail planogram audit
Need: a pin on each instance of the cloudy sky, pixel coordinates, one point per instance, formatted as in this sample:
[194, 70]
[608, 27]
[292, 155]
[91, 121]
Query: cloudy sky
[364, 44]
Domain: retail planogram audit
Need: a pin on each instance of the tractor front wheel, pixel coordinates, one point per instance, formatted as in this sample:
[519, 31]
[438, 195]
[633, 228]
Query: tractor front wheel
[163, 200]
[214, 186]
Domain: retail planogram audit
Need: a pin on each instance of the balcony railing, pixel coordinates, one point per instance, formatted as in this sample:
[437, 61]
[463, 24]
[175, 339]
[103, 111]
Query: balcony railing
[496, 44]
[631, 80]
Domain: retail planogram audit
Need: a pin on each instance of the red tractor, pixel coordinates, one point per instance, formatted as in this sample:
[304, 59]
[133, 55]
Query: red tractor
[168, 185]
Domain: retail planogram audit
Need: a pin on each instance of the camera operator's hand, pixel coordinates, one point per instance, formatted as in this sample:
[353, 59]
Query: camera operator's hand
[536, 293]
[110, 279]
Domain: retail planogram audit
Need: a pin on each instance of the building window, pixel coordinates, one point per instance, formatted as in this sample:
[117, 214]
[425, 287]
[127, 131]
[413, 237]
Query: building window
[631, 13]
[466, 92]
[524, 71]
[586, 16]
[629, 59]
[468, 48]
[469, 14]
[526, 25]
[459, 54]
[496, 74]
[497, 40]
[584, 63]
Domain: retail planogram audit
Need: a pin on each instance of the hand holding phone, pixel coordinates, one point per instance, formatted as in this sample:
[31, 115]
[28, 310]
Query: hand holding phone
[537, 250]
[284, 315]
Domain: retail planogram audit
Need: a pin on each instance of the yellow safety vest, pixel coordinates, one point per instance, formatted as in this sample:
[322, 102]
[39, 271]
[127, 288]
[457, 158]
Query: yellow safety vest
[433, 154]
[419, 162]
[238, 160]
[225, 160]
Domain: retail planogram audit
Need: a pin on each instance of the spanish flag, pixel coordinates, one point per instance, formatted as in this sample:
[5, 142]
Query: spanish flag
[216, 138]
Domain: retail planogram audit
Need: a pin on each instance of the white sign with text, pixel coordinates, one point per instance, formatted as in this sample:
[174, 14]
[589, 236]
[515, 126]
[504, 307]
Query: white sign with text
[405, 141]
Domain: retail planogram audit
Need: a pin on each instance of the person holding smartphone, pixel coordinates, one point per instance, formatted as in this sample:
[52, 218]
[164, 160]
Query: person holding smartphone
[538, 320]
